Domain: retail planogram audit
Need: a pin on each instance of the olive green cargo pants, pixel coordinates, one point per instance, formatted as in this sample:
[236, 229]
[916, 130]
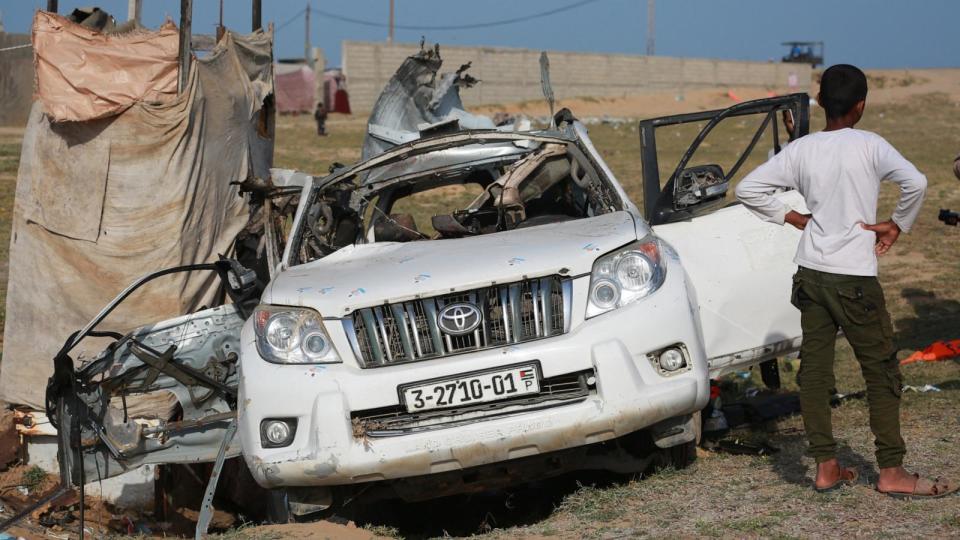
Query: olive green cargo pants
[855, 304]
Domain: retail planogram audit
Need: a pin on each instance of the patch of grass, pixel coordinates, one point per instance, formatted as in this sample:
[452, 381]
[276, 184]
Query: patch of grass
[384, 530]
[951, 520]
[9, 158]
[33, 477]
[709, 528]
[755, 524]
[593, 504]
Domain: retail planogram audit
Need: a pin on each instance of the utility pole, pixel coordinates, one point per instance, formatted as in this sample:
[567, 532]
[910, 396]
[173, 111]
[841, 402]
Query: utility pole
[390, 35]
[186, 20]
[650, 28]
[257, 20]
[134, 8]
[52, 6]
[220, 28]
[307, 57]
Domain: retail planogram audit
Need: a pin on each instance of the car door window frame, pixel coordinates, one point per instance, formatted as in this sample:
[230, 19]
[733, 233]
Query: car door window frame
[658, 201]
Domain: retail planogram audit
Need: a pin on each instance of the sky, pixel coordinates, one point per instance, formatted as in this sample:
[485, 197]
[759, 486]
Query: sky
[867, 33]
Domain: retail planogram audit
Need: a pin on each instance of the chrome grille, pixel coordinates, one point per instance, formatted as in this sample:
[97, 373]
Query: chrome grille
[511, 313]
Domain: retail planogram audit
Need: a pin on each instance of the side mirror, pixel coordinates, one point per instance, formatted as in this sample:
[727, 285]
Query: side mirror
[698, 185]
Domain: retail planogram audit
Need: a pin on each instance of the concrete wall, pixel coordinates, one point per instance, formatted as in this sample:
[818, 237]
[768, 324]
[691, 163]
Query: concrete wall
[16, 80]
[512, 75]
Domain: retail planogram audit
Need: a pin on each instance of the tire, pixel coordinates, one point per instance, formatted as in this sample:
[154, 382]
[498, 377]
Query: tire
[683, 455]
[278, 511]
[770, 374]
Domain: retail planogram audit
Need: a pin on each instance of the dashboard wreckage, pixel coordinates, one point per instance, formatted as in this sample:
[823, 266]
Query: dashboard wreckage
[540, 323]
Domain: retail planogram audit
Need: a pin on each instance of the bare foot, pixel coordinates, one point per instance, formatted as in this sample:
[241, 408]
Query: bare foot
[830, 472]
[898, 480]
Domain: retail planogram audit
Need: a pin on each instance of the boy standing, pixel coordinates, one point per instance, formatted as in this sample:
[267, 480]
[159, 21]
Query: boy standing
[838, 172]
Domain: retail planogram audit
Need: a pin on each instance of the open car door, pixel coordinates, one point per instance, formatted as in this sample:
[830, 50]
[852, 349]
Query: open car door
[167, 392]
[163, 393]
[740, 266]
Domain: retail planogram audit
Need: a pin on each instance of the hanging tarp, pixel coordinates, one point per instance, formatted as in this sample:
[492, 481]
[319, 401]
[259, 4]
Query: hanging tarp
[102, 202]
[83, 74]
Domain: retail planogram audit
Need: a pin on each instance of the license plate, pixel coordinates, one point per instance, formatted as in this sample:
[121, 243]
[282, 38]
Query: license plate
[472, 389]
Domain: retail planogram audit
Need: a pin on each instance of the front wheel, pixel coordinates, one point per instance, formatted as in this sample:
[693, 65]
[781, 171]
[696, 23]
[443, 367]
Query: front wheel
[683, 455]
[278, 507]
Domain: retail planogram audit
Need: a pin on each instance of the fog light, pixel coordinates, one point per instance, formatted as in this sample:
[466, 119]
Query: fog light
[671, 360]
[276, 433]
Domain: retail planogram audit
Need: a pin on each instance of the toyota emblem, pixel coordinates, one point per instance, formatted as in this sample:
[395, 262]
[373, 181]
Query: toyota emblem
[459, 319]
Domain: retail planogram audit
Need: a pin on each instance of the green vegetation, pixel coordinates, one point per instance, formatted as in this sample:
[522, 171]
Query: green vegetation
[33, 477]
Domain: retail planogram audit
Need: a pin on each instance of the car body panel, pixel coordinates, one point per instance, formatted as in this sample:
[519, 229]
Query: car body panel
[741, 268]
[330, 449]
[370, 274]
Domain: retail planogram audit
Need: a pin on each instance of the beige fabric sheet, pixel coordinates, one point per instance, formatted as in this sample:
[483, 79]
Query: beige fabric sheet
[102, 202]
[84, 74]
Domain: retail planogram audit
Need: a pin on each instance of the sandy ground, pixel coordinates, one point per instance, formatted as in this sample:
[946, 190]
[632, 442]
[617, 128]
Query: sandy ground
[886, 86]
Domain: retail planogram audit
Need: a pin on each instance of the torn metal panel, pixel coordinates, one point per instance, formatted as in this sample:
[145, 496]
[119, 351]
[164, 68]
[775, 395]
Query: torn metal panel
[206, 509]
[103, 427]
[415, 100]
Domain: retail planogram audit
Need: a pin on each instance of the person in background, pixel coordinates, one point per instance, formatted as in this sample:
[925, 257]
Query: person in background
[320, 115]
[838, 171]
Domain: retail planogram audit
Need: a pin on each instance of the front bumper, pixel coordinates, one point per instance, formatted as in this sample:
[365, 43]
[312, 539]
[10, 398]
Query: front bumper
[630, 395]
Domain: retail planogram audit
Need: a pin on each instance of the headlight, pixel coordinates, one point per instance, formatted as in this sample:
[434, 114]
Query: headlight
[287, 335]
[625, 276]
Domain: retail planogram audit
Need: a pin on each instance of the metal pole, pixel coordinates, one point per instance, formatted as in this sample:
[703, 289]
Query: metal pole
[650, 27]
[186, 16]
[220, 28]
[257, 24]
[134, 8]
[390, 35]
[307, 57]
[52, 6]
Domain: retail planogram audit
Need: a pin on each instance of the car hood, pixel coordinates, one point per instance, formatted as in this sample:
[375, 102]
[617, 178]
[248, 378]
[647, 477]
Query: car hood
[370, 274]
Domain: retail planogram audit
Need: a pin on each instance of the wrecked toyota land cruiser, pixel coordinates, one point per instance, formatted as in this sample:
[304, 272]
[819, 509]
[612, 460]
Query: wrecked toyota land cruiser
[533, 324]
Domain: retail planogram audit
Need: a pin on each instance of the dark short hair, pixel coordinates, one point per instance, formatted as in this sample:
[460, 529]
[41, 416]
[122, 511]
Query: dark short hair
[841, 87]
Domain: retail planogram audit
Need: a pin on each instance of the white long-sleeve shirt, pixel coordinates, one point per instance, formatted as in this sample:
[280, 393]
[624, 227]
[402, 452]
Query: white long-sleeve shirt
[839, 174]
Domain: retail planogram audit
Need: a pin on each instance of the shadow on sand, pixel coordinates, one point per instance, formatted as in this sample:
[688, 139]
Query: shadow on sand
[935, 319]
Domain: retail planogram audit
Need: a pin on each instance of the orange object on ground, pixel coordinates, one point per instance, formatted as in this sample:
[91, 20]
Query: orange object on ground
[733, 96]
[939, 350]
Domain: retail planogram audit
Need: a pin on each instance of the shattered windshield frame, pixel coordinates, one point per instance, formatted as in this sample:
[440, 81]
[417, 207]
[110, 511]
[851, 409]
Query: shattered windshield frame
[338, 207]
